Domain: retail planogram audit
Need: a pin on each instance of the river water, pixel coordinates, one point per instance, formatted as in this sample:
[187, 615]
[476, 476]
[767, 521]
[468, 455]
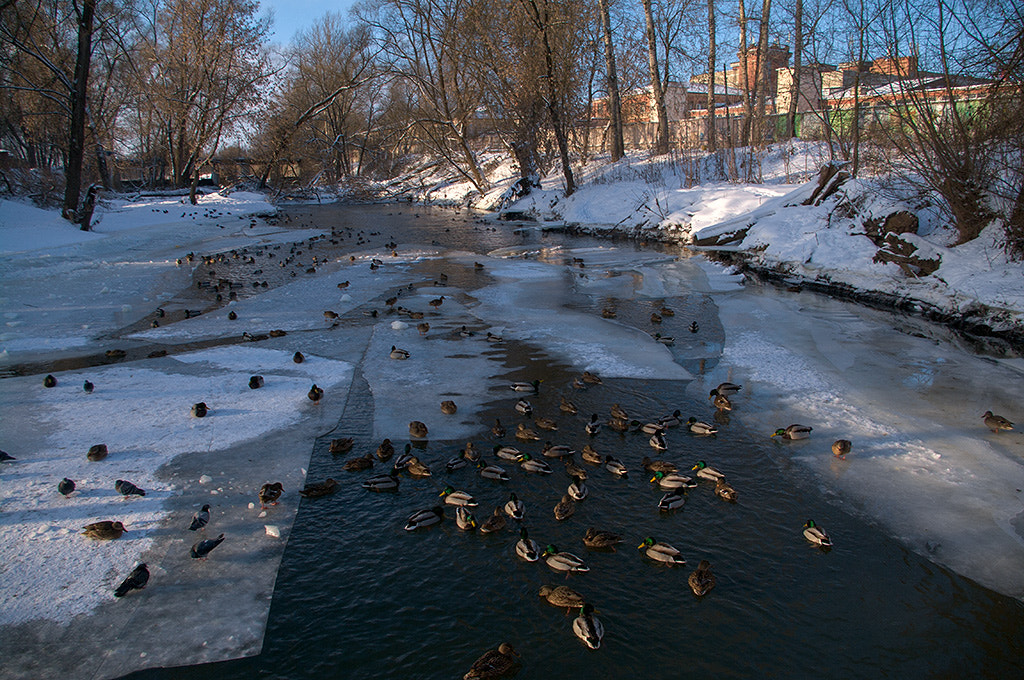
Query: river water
[357, 596]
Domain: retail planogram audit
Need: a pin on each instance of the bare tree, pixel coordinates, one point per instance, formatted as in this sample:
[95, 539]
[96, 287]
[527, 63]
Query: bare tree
[612, 84]
[657, 85]
[712, 68]
[798, 48]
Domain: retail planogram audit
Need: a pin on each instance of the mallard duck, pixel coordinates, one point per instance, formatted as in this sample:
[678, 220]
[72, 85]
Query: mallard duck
[596, 538]
[270, 493]
[615, 466]
[341, 445]
[402, 462]
[619, 425]
[126, 488]
[436, 302]
[726, 389]
[524, 407]
[673, 500]
[658, 465]
[646, 428]
[491, 337]
[458, 462]
[136, 580]
[359, 464]
[66, 486]
[397, 353]
[577, 489]
[526, 547]
[702, 580]
[561, 596]
[515, 508]
[530, 465]
[661, 552]
[567, 406]
[466, 333]
[199, 409]
[545, 423]
[256, 382]
[587, 627]
[498, 430]
[816, 535]
[793, 432]
[533, 386]
[472, 453]
[671, 420]
[448, 407]
[492, 471]
[415, 467]
[201, 549]
[666, 311]
[107, 530]
[574, 469]
[594, 426]
[508, 453]
[565, 508]
[318, 489]
[88, 387]
[496, 522]
[670, 481]
[315, 394]
[996, 423]
[385, 450]
[423, 327]
[49, 381]
[417, 430]
[705, 472]
[590, 378]
[618, 412]
[694, 327]
[422, 519]
[388, 482]
[556, 450]
[495, 664]
[563, 561]
[464, 518]
[666, 340]
[657, 442]
[725, 491]
[841, 447]
[655, 317]
[608, 313]
[525, 434]
[700, 427]
[453, 497]
[722, 403]
[591, 456]
[298, 357]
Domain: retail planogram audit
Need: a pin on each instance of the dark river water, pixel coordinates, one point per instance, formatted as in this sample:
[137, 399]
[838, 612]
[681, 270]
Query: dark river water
[359, 597]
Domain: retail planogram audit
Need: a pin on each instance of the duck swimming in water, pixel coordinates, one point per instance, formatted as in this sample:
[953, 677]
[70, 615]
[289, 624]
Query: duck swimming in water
[422, 519]
[661, 552]
[793, 432]
[596, 538]
[526, 547]
[495, 663]
[816, 535]
[588, 628]
[702, 580]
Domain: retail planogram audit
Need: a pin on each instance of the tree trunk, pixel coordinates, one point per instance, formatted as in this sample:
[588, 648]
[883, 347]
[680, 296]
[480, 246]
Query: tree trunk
[744, 76]
[712, 144]
[762, 72]
[798, 48]
[618, 146]
[735, 175]
[657, 91]
[79, 95]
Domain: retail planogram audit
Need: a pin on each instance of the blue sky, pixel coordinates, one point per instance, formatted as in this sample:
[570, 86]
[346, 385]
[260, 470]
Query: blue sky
[291, 16]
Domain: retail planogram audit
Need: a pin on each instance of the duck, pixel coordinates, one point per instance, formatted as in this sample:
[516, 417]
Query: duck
[615, 466]
[136, 580]
[402, 462]
[524, 407]
[666, 311]
[106, 530]
[996, 423]
[385, 450]
[841, 447]
[816, 535]
[200, 549]
[49, 381]
[619, 425]
[590, 378]
[256, 382]
[448, 407]
[466, 333]
[200, 409]
[491, 337]
[594, 426]
[556, 450]
[666, 340]
[472, 453]
[657, 442]
[315, 394]
[567, 406]
[514, 507]
[415, 467]
[422, 519]
[661, 552]
[671, 481]
[673, 500]
[423, 327]
[655, 317]
[397, 353]
[508, 453]
[646, 428]
[458, 462]
[496, 522]
[526, 547]
[270, 493]
[658, 465]
[464, 518]
[793, 432]
[561, 596]
[532, 386]
[200, 519]
[725, 491]
[492, 471]
[700, 427]
[588, 628]
[341, 445]
[378, 483]
[577, 489]
[702, 580]
[591, 456]
[418, 430]
[66, 486]
[525, 434]
[597, 538]
[726, 389]
[565, 508]
[563, 561]
[694, 327]
[608, 313]
[673, 419]
[498, 430]
[88, 387]
[705, 472]
[298, 357]
[545, 423]
[618, 412]
[574, 469]
[359, 463]
[530, 465]
[453, 497]
[318, 489]
[494, 663]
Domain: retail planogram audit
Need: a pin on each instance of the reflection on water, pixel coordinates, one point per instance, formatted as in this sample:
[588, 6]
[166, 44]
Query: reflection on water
[357, 596]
